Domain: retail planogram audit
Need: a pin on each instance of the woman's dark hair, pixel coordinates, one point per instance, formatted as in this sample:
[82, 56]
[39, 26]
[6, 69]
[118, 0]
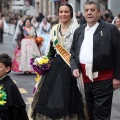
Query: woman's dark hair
[26, 20]
[6, 60]
[71, 9]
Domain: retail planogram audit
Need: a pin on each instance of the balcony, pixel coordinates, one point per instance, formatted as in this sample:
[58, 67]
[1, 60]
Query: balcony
[18, 2]
[21, 4]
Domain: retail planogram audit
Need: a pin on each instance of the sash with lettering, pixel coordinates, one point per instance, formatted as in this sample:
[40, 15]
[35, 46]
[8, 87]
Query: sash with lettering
[60, 49]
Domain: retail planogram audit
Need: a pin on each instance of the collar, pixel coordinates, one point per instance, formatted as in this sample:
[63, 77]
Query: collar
[93, 27]
[3, 77]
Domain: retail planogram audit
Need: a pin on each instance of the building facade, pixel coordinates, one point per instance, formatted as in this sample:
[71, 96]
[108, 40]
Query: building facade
[50, 7]
[43, 6]
[5, 6]
[23, 7]
[114, 6]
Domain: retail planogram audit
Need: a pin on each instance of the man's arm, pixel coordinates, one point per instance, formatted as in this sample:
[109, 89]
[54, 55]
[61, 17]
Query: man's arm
[116, 52]
[73, 64]
[116, 57]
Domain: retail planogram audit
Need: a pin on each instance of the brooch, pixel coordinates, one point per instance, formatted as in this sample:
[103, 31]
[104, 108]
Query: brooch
[3, 95]
[101, 33]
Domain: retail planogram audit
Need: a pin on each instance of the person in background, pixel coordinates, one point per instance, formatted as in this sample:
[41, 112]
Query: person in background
[34, 23]
[44, 31]
[116, 22]
[58, 96]
[54, 20]
[45, 27]
[108, 11]
[95, 58]
[1, 29]
[107, 17]
[40, 17]
[19, 25]
[12, 105]
[118, 15]
[28, 46]
[80, 18]
[17, 51]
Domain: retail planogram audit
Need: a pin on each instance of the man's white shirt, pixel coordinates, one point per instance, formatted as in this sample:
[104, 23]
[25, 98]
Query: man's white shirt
[86, 51]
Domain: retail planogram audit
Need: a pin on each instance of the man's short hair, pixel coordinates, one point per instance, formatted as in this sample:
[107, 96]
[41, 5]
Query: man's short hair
[96, 2]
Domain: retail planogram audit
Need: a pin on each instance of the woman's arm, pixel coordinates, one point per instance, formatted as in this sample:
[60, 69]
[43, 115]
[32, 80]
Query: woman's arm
[52, 51]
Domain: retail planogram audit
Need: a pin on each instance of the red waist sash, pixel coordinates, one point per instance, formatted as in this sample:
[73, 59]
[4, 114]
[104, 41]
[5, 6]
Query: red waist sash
[102, 75]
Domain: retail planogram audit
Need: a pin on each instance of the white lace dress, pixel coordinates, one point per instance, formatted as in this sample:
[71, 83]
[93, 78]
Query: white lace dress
[28, 49]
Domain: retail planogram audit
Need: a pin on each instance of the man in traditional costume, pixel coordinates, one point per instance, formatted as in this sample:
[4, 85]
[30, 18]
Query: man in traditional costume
[95, 57]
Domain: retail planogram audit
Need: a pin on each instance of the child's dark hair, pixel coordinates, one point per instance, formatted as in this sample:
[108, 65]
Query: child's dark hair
[6, 60]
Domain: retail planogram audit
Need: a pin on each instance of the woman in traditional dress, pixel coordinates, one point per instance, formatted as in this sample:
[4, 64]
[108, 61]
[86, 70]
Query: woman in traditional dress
[44, 31]
[28, 46]
[34, 23]
[16, 44]
[57, 96]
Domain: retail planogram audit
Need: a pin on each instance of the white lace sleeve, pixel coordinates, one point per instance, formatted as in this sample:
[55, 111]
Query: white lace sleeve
[48, 44]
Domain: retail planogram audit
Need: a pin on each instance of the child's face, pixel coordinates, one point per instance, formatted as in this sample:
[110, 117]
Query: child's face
[3, 70]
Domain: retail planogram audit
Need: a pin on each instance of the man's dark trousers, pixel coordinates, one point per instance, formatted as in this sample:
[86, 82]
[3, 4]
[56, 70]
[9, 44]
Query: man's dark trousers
[99, 99]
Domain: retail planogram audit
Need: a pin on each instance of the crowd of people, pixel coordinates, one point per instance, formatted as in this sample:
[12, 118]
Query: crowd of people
[81, 48]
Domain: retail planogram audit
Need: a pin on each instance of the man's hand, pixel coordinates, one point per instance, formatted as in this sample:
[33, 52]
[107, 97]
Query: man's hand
[116, 83]
[76, 73]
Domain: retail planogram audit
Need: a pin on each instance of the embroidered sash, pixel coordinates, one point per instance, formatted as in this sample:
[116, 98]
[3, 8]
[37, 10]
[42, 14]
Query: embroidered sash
[26, 34]
[61, 50]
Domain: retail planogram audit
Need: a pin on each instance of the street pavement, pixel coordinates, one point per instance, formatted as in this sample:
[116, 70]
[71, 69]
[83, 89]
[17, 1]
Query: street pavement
[26, 83]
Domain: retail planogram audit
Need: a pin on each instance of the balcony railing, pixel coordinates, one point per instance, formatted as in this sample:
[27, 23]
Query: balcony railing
[18, 2]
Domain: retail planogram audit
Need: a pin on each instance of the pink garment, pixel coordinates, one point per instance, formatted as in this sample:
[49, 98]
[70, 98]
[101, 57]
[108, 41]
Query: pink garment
[28, 49]
[16, 60]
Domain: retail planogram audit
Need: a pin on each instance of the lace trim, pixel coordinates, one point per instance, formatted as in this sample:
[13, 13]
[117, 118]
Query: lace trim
[68, 117]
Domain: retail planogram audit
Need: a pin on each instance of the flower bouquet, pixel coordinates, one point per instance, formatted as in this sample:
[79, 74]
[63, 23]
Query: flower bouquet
[40, 64]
